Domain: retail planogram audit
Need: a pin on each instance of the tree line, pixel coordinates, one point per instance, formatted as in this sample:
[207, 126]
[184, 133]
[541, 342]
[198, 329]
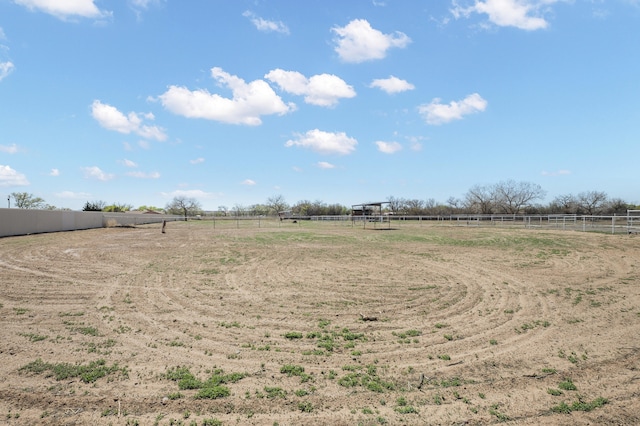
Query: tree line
[505, 197]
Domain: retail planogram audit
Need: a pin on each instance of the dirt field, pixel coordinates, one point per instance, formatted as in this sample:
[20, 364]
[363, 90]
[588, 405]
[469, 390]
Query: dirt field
[319, 324]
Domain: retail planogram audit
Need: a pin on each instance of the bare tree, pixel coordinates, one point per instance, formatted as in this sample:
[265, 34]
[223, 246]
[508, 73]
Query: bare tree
[479, 199]
[224, 210]
[396, 205]
[414, 207]
[239, 210]
[185, 206]
[511, 196]
[591, 202]
[24, 200]
[566, 204]
[277, 204]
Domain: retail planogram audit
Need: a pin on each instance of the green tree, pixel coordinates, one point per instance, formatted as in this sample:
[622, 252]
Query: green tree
[24, 200]
[277, 204]
[117, 208]
[185, 206]
[94, 206]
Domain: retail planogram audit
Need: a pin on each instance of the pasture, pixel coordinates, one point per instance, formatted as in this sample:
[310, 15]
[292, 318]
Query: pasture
[319, 323]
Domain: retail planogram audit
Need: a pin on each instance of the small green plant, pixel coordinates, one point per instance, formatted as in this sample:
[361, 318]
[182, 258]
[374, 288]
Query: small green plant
[89, 331]
[302, 392]
[211, 422]
[292, 370]
[567, 385]
[494, 412]
[88, 373]
[293, 335]
[274, 392]
[554, 392]
[444, 357]
[493, 342]
[579, 405]
[213, 392]
[20, 311]
[34, 337]
[305, 407]
[448, 337]
[322, 323]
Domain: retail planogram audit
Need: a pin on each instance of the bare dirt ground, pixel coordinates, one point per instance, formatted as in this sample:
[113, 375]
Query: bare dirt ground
[319, 324]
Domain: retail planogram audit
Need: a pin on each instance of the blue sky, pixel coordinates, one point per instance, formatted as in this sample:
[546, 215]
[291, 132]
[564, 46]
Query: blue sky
[232, 102]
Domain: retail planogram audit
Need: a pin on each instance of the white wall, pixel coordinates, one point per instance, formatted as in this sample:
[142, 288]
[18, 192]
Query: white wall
[25, 221]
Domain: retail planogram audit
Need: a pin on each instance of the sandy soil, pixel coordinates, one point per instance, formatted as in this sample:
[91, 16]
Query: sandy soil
[423, 324]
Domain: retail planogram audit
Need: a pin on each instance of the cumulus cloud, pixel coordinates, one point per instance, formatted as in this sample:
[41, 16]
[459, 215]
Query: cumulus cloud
[522, 14]
[10, 177]
[111, 118]
[188, 193]
[249, 102]
[388, 147]
[5, 69]
[64, 9]
[143, 175]
[437, 113]
[94, 172]
[321, 89]
[359, 42]
[392, 85]
[10, 149]
[266, 25]
[325, 142]
[556, 173]
[73, 195]
[325, 165]
[54, 172]
[248, 182]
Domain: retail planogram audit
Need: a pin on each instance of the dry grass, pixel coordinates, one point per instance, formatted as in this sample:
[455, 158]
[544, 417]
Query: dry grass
[248, 325]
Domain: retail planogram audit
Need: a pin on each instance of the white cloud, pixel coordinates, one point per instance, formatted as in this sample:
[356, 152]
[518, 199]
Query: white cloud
[359, 42]
[388, 147]
[296, 169]
[249, 102]
[197, 161]
[556, 173]
[325, 142]
[128, 163]
[266, 25]
[5, 69]
[73, 195]
[248, 182]
[111, 119]
[437, 113]
[10, 177]
[143, 4]
[321, 89]
[64, 9]
[95, 173]
[392, 85]
[325, 165]
[142, 175]
[189, 193]
[54, 172]
[11, 149]
[522, 14]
